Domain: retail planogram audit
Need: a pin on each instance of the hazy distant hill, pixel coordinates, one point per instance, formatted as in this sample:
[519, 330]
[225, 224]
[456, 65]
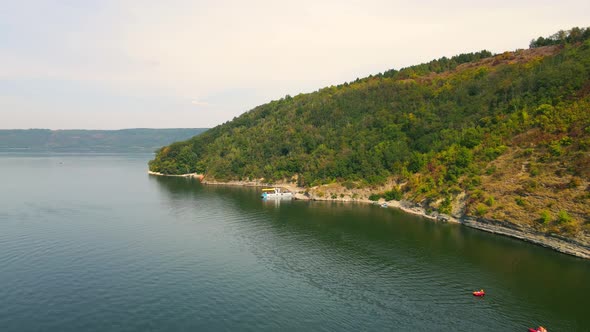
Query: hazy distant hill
[125, 140]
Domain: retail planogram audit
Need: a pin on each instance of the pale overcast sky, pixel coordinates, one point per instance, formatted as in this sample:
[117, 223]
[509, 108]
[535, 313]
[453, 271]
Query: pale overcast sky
[102, 64]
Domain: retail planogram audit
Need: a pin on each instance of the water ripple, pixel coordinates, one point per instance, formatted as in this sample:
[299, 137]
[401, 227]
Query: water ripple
[137, 253]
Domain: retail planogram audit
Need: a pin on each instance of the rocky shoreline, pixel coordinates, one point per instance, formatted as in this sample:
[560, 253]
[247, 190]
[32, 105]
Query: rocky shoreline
[554, 242]
[558, 243]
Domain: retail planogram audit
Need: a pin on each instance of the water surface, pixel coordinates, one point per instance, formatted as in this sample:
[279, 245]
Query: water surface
[91, 242]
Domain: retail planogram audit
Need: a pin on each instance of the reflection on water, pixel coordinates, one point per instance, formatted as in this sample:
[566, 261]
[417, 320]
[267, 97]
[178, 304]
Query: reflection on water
[92, 243]
[523, 282]
[276, 202]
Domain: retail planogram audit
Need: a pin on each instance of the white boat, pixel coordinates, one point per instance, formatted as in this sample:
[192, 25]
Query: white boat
[276, 193]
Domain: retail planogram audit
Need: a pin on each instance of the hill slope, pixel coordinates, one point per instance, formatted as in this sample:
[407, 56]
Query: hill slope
[504, 137]
[125, 140]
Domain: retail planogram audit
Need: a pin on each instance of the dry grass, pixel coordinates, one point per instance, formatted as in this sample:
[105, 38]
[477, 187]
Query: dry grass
[523, 188]
[506, 58]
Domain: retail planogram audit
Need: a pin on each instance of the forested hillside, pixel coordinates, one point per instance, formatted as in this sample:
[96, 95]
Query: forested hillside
[124, 140]
[504, 136]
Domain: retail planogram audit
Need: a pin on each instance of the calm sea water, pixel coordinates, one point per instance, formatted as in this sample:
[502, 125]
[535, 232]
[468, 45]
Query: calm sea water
[92, 243]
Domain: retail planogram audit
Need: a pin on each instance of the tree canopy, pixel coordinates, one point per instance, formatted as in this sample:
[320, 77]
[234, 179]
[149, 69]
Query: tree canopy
[437, 128]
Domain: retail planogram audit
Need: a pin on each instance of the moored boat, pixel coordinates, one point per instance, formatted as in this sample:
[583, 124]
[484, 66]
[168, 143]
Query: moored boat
[276, 193]
[479, 293]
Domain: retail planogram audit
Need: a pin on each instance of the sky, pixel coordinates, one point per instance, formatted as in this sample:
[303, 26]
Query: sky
[112, 64]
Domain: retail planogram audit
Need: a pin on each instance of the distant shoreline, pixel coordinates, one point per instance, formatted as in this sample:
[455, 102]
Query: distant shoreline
[560, 244]
[130, 140]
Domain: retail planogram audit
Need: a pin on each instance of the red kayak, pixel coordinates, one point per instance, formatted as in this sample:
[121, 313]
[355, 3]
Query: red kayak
[479, 293]
[538, 329]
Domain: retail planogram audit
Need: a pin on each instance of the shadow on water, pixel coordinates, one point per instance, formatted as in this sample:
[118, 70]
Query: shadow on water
[527, 283]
